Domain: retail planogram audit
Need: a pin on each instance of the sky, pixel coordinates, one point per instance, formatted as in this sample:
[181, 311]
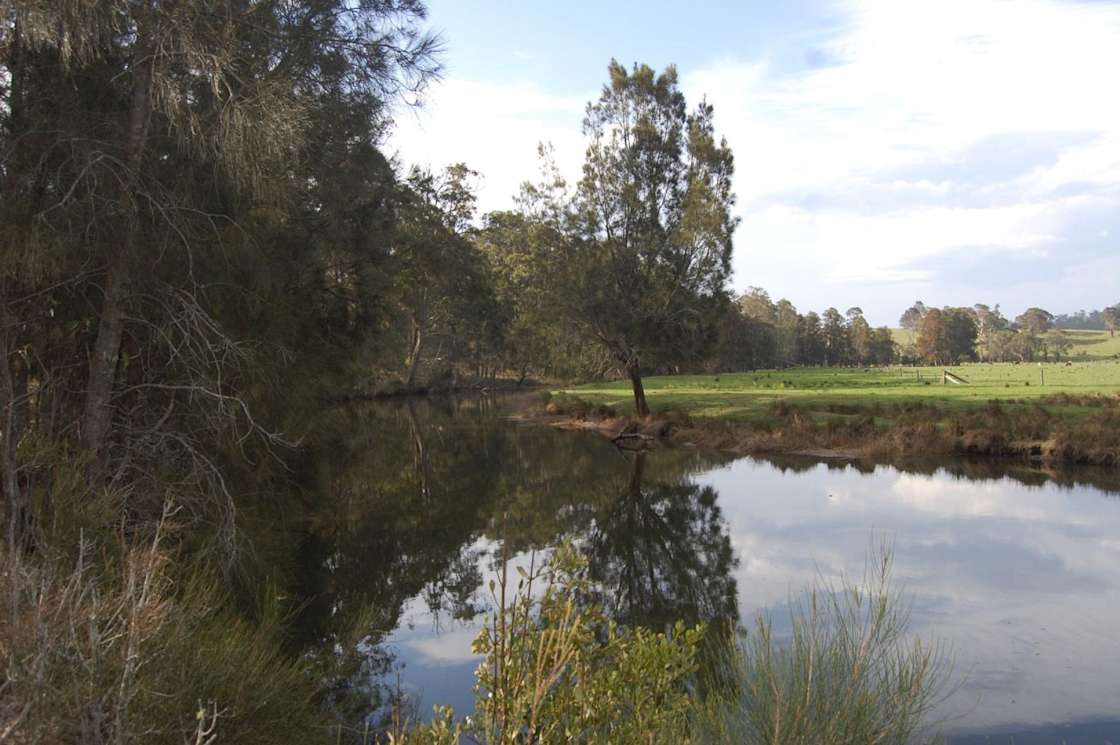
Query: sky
[887, 151]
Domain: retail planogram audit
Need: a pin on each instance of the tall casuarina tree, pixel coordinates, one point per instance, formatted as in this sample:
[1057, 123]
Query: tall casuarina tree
[651, 250]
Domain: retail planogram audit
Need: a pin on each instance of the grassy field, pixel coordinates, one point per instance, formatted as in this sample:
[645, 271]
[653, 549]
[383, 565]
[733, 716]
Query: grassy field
[825, 391]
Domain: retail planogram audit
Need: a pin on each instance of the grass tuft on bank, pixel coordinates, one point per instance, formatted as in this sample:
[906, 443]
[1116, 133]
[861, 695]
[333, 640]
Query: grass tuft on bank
[847, 671]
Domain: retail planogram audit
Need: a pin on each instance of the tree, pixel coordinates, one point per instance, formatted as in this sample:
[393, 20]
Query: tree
[1111, 316]
[947, 336]
[931, 338]
[911, 320]
[165, 175]
[860, 339]
[651, 251]
[743, 343]
[439, 273]
[756, 303]
[883, 348]
[810, 340]
[1057, 343]
[835, 337]
[786, 330]
[959, 326]
[520, 260]
[1035, 321]
[988, 321]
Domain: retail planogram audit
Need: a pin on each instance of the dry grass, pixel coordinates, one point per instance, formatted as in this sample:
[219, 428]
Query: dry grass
[107, 649]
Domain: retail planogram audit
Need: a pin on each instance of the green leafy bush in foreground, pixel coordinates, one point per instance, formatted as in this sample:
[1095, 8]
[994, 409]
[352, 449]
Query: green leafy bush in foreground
[558, 671]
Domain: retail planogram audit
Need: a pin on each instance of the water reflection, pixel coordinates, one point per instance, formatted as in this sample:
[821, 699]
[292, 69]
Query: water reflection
[407, 507]
[660, 552]
[1021, 580]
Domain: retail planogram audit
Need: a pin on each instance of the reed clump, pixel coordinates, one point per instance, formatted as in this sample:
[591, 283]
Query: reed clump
[847, 672]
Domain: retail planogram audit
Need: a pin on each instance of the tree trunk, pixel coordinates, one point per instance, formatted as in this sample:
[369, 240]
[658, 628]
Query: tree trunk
[420, 458]
[634, 488]
[415, 347]
[641, 408]
[9, 438]
[98, 413]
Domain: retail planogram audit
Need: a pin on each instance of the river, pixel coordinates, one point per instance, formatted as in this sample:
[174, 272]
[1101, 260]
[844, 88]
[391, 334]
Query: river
[1017, 571]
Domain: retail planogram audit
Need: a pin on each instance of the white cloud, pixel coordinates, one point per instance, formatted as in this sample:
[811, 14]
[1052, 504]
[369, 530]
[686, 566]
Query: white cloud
[495, 129]
[842, 169]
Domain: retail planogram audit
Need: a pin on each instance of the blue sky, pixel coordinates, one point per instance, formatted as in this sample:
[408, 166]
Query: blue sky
[956, 152]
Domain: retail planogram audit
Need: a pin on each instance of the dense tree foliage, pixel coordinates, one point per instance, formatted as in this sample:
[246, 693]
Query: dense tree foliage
[1111, 318]
[1087, 320]
[948, 336]
[759, 333]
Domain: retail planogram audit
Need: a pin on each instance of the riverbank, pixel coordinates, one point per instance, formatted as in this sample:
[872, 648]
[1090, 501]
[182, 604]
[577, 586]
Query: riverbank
[883, 414]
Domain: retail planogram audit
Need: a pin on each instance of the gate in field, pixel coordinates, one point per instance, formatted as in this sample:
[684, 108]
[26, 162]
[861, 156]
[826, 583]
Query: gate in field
[948, 377]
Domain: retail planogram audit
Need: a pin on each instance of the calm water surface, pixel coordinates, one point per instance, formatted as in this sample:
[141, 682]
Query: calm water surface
[1018, 571]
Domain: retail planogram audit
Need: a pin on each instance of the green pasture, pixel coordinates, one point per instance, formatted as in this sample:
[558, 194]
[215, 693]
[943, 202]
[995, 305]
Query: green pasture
[846, 390]
[1093, 345]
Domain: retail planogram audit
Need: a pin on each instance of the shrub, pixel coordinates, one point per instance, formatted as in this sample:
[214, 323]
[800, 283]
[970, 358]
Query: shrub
[847, 675]
[563, 404]
[110, 652]
[556, 671]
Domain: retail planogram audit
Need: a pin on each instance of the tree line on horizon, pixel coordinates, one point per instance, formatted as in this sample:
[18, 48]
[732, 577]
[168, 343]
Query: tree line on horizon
[761, 333]
[984, 334]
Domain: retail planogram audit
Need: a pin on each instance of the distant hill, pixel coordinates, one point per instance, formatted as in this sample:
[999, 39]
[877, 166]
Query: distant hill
[1092, 345]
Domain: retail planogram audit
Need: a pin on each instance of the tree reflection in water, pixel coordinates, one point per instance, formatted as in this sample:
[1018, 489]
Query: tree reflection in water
[404, 500]
[661, 553]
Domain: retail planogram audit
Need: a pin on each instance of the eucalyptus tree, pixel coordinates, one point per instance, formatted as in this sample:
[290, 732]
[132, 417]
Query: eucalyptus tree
[523, 261]
[1111, 317]
[911, 319]
[440, 277]
[787, 320]
[860, 337]
[834, 333]
[651, 249]
[810, 340]
[947, 336]
[1035, 321]
[931, 343]
[988, 321]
